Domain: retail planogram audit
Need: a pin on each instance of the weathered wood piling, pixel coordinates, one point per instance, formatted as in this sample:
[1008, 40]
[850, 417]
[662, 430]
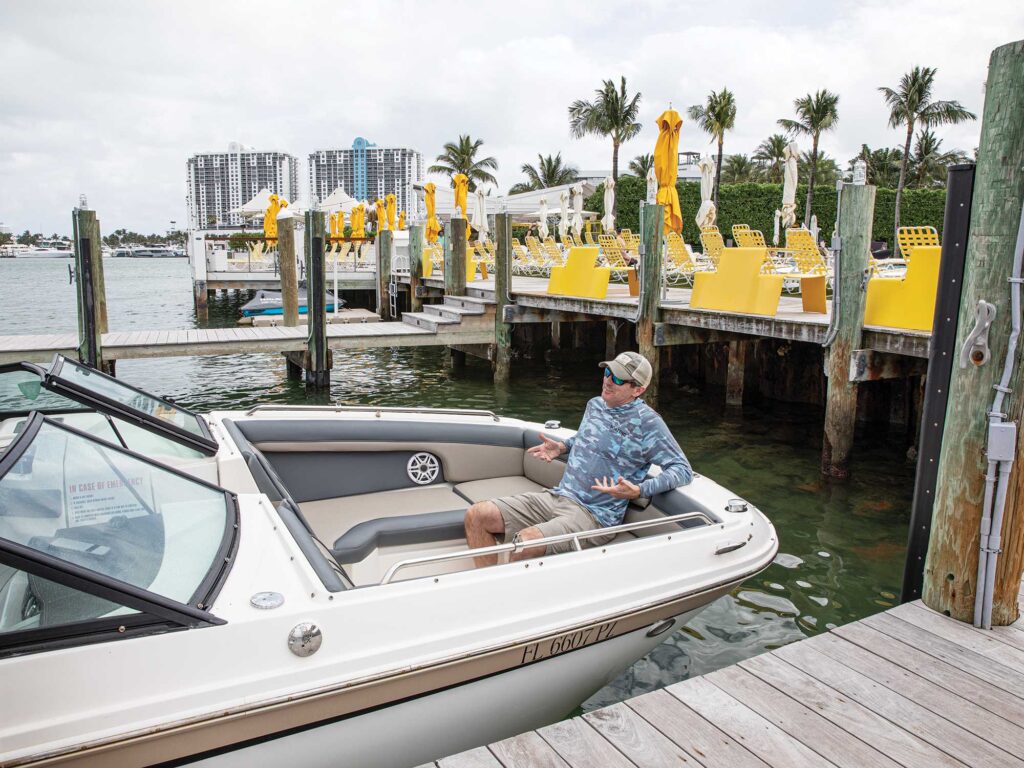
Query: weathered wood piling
[385, 247]
[648, 307]
[91, 289]
[286, 266]
[502, 288]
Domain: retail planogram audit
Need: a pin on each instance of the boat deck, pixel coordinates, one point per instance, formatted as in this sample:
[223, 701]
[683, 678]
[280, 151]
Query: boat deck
[906, 687]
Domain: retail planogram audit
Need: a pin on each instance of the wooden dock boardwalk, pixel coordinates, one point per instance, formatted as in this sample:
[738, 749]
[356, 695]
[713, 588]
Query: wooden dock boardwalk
[907, 687]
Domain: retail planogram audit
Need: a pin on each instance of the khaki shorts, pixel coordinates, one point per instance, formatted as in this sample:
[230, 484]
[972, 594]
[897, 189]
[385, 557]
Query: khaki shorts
[552, 515]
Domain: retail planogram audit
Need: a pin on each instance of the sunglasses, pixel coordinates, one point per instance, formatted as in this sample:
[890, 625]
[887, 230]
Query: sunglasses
[615, 379]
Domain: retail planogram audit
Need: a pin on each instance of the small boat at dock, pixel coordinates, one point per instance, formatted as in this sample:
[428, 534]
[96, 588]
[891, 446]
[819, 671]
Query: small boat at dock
[271, 303]
[292, 584]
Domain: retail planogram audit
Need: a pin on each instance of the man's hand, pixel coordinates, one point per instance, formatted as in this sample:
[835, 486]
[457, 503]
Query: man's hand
[547, 450]
[620, 489]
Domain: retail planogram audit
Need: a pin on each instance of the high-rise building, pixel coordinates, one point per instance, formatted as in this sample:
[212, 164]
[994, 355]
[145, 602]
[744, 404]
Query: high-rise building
[219, 182]
[367, 172]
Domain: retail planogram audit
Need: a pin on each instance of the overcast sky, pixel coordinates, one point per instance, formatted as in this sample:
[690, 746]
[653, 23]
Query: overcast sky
[110, 98]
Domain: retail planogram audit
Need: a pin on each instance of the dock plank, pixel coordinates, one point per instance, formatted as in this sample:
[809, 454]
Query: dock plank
[692, 732]
[636, 738]
[801, 723]
[1002, 733]
[581, 746]
[903, 747]
[896, 708]
[960, 633]
[756, 733]
[950, 677]
[473, 758]
[527, 750]
[983, 667]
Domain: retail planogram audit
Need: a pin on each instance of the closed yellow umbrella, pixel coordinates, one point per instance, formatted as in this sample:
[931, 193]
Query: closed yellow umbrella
[460, 183]
[382, 223]
[359, 221]
[401, 220]
[270, 217]
[433, 225]
[666, 159]
[341, 223]
[389, 204]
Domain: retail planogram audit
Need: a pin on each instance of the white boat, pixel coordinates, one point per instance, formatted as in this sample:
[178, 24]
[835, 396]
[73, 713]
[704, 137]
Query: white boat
[33, 252]
[291, 585]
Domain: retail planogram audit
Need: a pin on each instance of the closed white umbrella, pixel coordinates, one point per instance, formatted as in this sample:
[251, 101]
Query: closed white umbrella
[543, 214]
[577, 210]
[787, 216]
[652, 186]
[706, 214]
[563, 215]
[480, 215]
[608, 220]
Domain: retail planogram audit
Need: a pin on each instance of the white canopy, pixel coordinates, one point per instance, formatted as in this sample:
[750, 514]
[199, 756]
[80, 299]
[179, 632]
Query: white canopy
[338, 200]
[608, 221]
[787, 215]
[257, 206]
[563, 214]
[542, 214]
[480, 215]
[577, 210]
[706, 214]
[519, 205]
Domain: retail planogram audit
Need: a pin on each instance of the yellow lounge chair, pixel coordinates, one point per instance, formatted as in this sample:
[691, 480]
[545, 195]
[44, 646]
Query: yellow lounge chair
[712, 244]
[745, 237]
[580, 276]
[679, 263]
[738, 285]
[907, 302]
[554, 254]
[909, 238]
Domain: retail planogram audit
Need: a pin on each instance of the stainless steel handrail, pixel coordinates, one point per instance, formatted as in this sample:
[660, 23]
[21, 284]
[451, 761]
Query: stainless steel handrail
[517, 546]
[374, 409]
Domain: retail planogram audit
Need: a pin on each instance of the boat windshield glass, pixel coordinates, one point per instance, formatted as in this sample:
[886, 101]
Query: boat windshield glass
[21, 391]
[97, 383]
[75, 500]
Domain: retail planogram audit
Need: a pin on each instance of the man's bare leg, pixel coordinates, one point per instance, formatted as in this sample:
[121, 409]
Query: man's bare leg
[483, 522]
[526, 535]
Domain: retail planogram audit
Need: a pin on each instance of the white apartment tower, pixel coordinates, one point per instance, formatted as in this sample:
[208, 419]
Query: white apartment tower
[368, 172]
[219, 182]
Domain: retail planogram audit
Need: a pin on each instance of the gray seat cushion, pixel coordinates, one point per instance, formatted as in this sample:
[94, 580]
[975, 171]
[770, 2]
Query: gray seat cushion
[496, 487]
[365, 537]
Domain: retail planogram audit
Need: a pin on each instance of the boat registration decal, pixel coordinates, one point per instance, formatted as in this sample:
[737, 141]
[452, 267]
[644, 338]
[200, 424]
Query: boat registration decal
[568, 641]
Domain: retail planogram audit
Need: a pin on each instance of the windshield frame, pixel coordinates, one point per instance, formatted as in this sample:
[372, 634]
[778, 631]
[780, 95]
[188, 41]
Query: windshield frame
[205, 443]
[153, 608]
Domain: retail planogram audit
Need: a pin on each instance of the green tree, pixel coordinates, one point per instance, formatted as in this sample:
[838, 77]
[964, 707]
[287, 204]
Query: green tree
[6, 238]
[460, 157]
[738, 169]
[28, 238]
[716, 116]
[815, 115]
[883, 165]
[612, 113]
[828, 169]
[928, 163]
[770, 156]
[550, 171]
[641, 165]
[911, 104]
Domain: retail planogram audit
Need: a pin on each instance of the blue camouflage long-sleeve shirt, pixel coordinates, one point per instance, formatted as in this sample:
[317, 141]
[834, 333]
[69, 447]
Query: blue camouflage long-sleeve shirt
[621, 442]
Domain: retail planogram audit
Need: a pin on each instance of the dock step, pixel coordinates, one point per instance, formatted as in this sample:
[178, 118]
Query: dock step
[469, 302]
[429, 322]
[453, 312]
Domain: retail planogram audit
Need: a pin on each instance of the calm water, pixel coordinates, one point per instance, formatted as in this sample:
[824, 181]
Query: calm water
[842, 547]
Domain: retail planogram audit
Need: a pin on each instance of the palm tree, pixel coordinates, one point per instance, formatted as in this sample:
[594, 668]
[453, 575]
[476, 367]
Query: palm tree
[911, 103]
[612, 113]
[460, 157]
[929, 163]
[770, 155]
[641, 165]
[815, 114]
[738, 169]
[883, 165]
[549, 172]
[715, 117]
[827, 168]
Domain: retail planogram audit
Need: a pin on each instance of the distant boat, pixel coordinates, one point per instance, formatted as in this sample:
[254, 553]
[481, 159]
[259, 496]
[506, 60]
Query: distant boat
[147, 252]
[269, 303]
[32, 252]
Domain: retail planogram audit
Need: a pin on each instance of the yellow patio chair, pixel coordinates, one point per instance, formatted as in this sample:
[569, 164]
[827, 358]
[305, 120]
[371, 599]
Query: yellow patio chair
[906, 302]
[738, 285]
[588, 235]
[552, 251]
[679, 262]
[712, 244]
[538, 257]
[580, 276]
[806, 255]
[745, 237]
[617, 261]
[909, 238]
[632, 241]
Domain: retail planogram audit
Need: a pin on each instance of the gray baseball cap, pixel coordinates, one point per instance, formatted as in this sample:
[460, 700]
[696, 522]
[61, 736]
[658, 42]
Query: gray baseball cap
[632, 366]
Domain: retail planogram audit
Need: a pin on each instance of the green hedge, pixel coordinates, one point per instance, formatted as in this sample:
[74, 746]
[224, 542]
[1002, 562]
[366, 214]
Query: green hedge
[755, 204]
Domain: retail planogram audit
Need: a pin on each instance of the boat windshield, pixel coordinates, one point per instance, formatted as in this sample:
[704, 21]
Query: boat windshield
[22, 390]
[71, 506]
[110, 395]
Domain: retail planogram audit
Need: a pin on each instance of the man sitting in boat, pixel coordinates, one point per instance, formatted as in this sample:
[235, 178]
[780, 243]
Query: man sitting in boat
[619, 439]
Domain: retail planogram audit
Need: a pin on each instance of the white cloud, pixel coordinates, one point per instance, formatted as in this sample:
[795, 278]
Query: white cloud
[110, 98]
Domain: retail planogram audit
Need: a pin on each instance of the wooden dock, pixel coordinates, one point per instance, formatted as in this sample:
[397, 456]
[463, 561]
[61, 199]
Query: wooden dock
[908, 687]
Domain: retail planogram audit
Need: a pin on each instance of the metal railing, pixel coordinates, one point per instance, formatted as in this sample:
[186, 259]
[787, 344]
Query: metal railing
[519, 546]
[378, 410]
